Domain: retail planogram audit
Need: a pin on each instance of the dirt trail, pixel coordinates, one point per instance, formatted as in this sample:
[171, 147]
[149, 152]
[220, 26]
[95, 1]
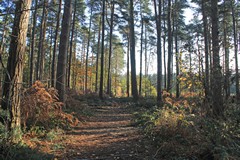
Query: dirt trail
[108, 135]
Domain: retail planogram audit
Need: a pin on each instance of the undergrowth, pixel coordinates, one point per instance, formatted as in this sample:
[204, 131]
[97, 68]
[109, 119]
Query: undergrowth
[21, 151]
[44, 123]
[179, 132]
[40, 107]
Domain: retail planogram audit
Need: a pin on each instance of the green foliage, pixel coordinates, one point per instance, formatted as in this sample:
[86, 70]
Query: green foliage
[16, 134]
[21, 151]
[54, 134]
[3, 132]
[38, 131]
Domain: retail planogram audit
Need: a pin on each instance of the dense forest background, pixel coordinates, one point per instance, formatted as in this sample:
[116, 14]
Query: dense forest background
[118, 48]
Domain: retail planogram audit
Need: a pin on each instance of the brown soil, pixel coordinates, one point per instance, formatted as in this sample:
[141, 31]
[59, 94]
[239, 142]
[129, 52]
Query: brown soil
[107, 135]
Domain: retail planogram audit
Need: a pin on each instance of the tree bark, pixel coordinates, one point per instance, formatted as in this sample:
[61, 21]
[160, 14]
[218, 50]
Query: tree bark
[41, 45]
[235, 52]
[88, 45]
[159, 50]
[141, 52]
[128, 66]
[13, 78]
[98, 53]
[132, 54]
[226, 50]
[2, 47]
[62, 56]
[217, 75]
[206, 48]
[71, 44]
[110, 51]
[33, 43]
[146, 59]
[102, 52]
[169, 25]
[177, 63]
[55, 45]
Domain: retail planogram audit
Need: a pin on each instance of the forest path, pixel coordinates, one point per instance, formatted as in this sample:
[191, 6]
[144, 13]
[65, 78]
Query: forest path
[107, 135]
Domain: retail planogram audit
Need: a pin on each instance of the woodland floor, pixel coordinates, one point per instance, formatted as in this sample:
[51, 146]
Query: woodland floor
[108, 134]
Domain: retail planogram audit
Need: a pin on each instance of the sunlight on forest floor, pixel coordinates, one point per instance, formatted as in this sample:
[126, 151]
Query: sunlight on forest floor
[112, 129]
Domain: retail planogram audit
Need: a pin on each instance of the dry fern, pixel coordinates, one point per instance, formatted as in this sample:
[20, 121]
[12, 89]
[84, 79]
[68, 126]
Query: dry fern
[40, 104]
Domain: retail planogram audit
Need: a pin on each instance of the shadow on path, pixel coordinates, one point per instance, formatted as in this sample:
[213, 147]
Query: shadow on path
[108, 135]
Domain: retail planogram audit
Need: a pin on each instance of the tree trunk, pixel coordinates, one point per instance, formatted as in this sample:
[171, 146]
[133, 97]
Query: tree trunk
[146, 59]
[88, 45]
[110, 51]
[206, 47]
[177, 62]
[128, 66]
[62, 56]
[2, 48]
[13, 78]
[159, 51]
[33, 43]
[200, 61]
[97, 59]
[235, 52]
[50, 57]
[41, 45]
[141, 53]
[3, 39]
[74, 62]
[71, 44]
[102, 52]
[132, 54]
[217, 75]
[164, 51]
[226, 49]
[169, 25]
[55, 45]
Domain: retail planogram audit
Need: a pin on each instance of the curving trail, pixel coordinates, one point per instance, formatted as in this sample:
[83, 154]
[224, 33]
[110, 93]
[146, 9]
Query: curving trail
[107, 135]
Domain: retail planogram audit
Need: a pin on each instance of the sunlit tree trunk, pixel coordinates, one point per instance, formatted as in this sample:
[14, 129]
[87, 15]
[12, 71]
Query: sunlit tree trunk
[1, 53]
[13, 78]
